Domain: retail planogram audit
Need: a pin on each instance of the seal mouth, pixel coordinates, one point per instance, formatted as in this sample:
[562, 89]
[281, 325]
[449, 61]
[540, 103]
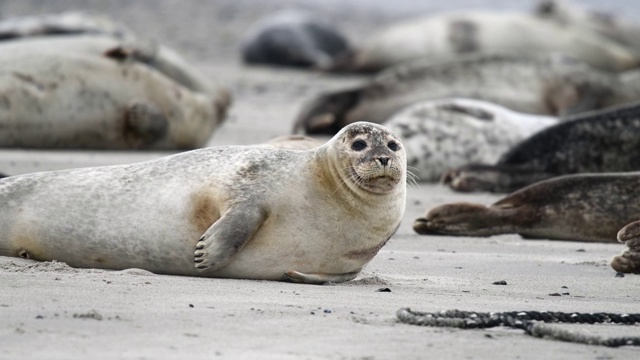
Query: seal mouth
[382, 183]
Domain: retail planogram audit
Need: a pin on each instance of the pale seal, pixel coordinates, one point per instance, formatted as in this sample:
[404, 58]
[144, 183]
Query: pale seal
[544, 86]
[445, 36]
[601, 141]
[251, 212]
[76, 100]
[585, 20]
[441, 134]
[629, 261]
[585, 207]
[294, 38]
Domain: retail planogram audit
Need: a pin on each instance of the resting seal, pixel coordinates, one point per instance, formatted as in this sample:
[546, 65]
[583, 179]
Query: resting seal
[252, 212]
[76, 100]
[587, 207]
[292, 38]
[441, 134]
[600, 141]
[444, 37]
[545, 86]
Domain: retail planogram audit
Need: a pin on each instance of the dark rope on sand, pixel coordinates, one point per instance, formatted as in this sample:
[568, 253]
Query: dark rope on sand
[532, 322]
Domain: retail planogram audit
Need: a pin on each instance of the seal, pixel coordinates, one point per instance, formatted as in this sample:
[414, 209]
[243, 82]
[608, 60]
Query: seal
[445, 36]
[595, 142]
[75, 100]
[251, 212]
[583, 207]
[586, 20]
[545, 86]
[441, 134]
[294, 38]
[629, 261]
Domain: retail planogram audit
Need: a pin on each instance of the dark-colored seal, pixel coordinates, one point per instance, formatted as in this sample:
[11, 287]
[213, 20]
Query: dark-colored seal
[545, 86]
[601, 141]
[293, 38]
[254, 212]
[629, 261]
[585, 207]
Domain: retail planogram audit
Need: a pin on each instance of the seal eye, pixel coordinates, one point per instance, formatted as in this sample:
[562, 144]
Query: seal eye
[358, 145]
[393, 146]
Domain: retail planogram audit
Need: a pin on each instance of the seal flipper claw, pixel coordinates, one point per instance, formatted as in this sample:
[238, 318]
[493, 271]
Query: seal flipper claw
[318, 278]
[227, 236]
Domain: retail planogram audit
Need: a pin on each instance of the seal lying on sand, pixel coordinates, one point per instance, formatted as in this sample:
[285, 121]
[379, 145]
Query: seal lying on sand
[55, 100]
[585, 207]
[294, 38]
[441, 134]
[545, 86]
[84, 33]
[602, 141]
[444, 37]
[585, 20]
[65, 23]
[629, 261]
[250, 212]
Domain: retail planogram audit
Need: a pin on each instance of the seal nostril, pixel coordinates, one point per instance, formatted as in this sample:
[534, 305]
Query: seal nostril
[383, 161]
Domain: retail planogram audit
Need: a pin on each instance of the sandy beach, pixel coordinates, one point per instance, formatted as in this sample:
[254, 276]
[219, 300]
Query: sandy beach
[52, 311]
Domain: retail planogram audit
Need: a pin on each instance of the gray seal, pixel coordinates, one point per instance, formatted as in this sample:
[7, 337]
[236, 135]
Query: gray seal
[545, 86]
[600, 141]
[585, 207]
[251, 212]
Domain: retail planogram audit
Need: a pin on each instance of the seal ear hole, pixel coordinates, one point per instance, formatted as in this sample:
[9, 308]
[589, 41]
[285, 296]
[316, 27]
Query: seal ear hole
[393, 146]
[24, 254]
[358, 145]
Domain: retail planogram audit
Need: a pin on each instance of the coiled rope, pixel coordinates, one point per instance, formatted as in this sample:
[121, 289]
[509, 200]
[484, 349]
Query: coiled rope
[532, 322]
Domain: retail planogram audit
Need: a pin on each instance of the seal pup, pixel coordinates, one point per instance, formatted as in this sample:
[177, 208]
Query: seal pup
[294, 38]
[251, 212]
[444, 37]
[71, 100]
[441, 134]
[545, 86]
[599, 141]
[584, 207]
[628, 261]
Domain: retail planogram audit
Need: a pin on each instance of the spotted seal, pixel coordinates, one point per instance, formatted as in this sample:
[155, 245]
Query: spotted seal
[544, 86]
[75, 100]
[445, 36]
[441, 134]
[294, 38]
[584, 207]
[599, 141]
[251, 212]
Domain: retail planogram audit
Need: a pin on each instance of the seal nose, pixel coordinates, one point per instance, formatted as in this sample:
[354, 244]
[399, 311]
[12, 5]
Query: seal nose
[383, 160]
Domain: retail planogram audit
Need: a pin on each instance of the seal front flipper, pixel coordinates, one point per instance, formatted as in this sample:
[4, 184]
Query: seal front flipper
[227, 236]
[318, 278]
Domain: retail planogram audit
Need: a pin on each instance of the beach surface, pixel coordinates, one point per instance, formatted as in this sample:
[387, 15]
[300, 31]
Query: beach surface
[49, 310]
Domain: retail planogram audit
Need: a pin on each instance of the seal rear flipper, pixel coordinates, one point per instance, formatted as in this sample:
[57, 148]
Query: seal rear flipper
[493, 178]
[227, 236]
[318, 278]
[467, 219]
